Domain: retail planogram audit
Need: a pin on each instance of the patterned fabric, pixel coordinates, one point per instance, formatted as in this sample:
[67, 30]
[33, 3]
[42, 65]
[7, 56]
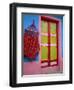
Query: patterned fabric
[31, 43]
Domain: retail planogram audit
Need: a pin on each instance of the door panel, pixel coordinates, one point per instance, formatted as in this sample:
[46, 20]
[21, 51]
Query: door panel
[52, 28]
[53, 40]
[44, 39]
[53, 53]
[44, 53]
[44, 27]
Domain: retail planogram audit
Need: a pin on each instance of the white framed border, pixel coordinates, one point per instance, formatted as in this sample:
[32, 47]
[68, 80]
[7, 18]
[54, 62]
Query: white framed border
[48, 77]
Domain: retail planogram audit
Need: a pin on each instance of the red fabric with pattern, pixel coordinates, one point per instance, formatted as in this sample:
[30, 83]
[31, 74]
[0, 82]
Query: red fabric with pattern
[31, 44]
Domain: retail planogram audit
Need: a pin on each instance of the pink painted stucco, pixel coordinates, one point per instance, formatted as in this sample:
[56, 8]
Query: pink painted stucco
[35, 68]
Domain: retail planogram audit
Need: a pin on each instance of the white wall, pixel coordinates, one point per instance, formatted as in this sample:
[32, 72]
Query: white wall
[4, 43]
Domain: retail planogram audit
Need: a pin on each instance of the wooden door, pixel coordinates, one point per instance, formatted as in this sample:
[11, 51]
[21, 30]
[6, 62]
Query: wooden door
[49, 41]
